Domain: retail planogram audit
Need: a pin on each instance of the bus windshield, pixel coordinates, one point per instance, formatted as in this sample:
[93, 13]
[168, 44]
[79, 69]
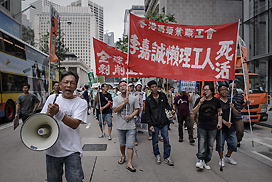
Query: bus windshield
[255, 84]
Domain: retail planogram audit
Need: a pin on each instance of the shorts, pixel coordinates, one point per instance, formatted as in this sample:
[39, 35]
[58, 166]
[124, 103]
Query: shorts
[126, 137]
[106, 117]
[230, 138]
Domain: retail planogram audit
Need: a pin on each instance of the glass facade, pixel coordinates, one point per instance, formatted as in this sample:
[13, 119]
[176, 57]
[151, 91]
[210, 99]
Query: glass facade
[257, 33]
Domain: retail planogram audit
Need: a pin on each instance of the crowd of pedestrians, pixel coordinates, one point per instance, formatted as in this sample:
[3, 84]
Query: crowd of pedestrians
[215, 118]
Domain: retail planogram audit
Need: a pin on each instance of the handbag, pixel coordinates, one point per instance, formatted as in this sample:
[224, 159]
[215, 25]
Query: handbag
[169, 115]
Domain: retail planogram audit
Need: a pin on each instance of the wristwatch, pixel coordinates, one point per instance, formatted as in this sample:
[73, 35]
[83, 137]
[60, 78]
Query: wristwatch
[220, 114]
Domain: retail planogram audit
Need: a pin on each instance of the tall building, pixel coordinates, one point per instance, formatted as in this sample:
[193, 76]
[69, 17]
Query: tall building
[137, 10]
[257, 33]
[39, 4]
[198, 12]
[98, 13]
[78, 26]
[109, 38]
[10, 16]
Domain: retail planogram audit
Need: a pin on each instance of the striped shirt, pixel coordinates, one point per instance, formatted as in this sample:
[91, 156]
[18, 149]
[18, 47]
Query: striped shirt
[238, 100]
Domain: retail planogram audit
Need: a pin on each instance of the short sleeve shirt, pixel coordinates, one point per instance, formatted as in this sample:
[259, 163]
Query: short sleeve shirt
[207, 113]
[129, 108]
[27, 103]
[69, 140]
[182, 105]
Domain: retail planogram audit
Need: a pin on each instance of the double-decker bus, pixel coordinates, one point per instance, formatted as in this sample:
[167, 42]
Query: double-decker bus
[21, 63]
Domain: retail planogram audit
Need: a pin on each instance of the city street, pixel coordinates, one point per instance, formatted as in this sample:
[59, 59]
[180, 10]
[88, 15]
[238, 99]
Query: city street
[253, 164]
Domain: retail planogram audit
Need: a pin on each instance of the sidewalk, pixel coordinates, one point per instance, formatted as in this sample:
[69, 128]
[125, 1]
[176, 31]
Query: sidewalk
[102, 166]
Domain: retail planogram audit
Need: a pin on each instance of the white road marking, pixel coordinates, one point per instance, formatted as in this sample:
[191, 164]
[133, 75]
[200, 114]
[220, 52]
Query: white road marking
[261, 155]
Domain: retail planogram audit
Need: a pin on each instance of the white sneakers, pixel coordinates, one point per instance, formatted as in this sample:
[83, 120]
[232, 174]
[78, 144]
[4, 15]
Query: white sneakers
[158, 159]
[228, 159]
[200, 164]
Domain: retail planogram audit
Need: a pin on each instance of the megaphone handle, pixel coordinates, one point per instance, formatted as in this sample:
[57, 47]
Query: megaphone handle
[55, 98]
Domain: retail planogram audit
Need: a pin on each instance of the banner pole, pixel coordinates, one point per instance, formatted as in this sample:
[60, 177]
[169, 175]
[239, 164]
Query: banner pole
[128, 56]
[237, 39]
[100, 112]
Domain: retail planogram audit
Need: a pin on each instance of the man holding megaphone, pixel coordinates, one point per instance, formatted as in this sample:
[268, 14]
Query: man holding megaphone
[69, 111]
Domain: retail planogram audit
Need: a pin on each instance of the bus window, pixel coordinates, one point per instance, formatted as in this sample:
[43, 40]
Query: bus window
[13, 83]
[19, 49]
[8, 44]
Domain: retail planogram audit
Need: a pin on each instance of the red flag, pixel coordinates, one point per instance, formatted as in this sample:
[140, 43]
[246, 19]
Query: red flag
[111, 62]
[182, 52]
[54, 16]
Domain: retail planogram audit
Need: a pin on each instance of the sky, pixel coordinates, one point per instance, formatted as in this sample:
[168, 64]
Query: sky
[114, 11]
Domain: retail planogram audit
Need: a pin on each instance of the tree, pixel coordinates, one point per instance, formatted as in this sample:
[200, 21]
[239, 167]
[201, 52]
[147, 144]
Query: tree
[28, 35]
[60, 50]
[161, 17]
[122, 44]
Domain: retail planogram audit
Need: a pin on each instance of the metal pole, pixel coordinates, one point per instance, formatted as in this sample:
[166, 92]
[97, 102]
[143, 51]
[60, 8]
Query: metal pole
[59, 50]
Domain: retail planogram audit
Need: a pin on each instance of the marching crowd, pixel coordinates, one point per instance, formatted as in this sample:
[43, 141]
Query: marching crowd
[217, 117]
[157, 108]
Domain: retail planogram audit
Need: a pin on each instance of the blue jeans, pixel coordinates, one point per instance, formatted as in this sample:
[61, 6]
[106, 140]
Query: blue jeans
[126, 137]
[73, 168]
[229, 137]
[206, 140]
[106, 117]
[166, 144]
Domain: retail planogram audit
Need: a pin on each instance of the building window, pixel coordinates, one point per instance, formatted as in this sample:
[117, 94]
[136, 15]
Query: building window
[6, 4]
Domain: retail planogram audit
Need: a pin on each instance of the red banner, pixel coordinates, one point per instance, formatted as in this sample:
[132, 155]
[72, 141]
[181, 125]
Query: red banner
[54, 16]
[111, 62]
[182, 52]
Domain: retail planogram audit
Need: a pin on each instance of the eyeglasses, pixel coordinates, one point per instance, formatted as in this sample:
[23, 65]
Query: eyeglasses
[205, 90]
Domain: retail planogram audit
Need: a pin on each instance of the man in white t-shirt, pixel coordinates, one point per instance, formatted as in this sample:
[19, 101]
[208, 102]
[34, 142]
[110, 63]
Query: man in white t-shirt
[69, 111]
[126, 108]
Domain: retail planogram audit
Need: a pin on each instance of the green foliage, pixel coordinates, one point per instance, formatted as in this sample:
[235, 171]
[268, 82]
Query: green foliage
[101, 79]
[161, 17]
[122, 44]
[60, 48]
[28, 35]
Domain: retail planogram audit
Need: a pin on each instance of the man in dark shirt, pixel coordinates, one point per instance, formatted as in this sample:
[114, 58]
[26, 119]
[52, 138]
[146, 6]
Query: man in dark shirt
[181, 102]
[239, 103]
[155, 106]
[86, 97]
[27, 102]
[56, 88]
[104, 106]
[228, 130]
[208, 107]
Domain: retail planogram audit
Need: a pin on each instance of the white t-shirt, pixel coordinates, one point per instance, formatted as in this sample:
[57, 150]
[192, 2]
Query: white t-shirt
[133, 103]
[69, 139]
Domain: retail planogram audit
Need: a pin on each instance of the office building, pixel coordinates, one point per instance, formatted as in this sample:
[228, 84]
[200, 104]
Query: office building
[98, 13]
[77, 25]
[257, 33]
[137, 10]
[109, 38]
[10, 16]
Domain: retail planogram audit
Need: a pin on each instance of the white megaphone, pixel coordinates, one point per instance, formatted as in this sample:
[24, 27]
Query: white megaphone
[39, 132]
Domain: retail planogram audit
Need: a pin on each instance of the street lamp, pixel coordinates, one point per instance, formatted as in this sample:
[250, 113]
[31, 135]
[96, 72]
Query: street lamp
[31, 6]
[69, 23]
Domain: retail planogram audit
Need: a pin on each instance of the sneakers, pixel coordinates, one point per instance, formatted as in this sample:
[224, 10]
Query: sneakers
[200, 164]
[192, 140]
[168, 161]
[158, 159]
[223, 162]
[230, 160]
[206, 166]
[102, 135]
[180, 140]
[238, 144]
[109, 137]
